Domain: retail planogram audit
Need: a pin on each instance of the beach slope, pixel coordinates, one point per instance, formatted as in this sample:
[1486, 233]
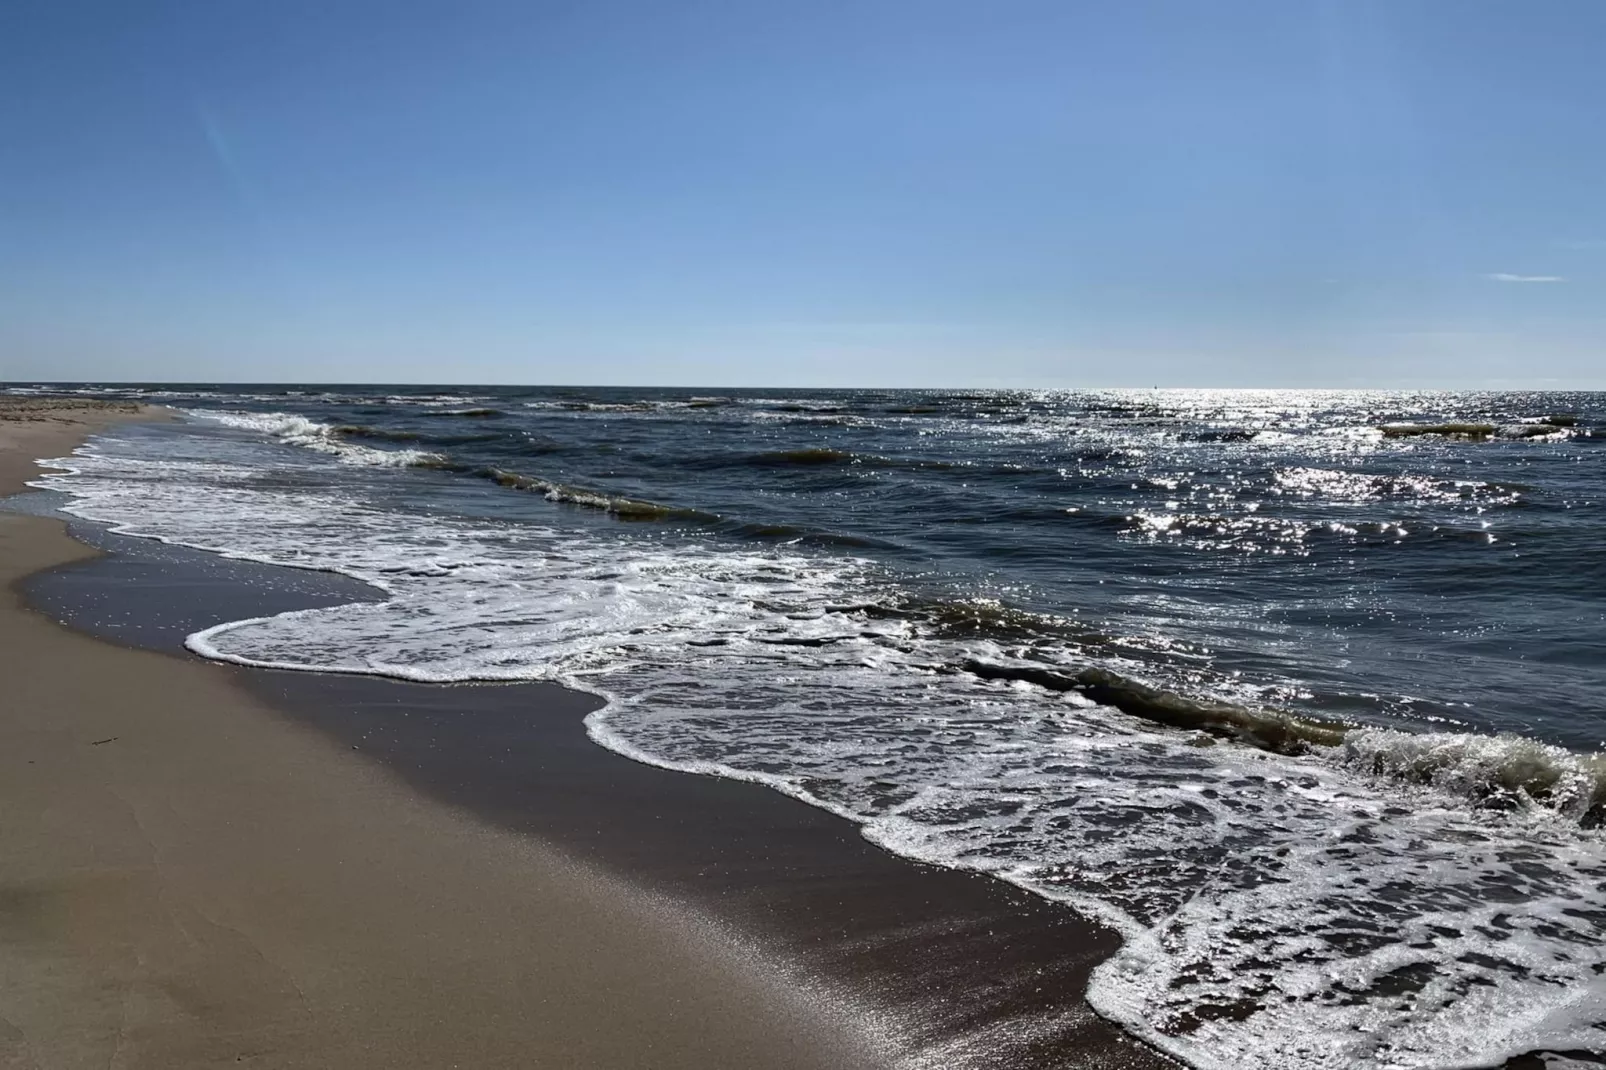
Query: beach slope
[188, 880]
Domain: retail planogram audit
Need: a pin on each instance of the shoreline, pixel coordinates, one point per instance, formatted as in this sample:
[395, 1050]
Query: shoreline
[963, 963]
[191, 879]
[929, 964]
[904, 963]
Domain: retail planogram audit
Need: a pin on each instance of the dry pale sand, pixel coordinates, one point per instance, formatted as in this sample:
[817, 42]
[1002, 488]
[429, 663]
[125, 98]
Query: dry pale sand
[187, 880]
[50, 427]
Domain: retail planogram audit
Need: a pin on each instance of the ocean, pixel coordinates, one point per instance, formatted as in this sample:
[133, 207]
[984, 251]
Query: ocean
[1297, 690]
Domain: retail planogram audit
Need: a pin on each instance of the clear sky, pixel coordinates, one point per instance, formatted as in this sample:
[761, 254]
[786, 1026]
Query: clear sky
[809, 192]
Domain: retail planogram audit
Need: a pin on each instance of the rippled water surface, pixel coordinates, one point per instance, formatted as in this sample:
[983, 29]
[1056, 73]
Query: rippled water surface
[1299, 690]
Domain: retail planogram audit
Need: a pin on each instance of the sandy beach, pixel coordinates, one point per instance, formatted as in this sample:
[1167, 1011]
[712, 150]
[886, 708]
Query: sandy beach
[190, 880]
[209, 865]
[206, 864]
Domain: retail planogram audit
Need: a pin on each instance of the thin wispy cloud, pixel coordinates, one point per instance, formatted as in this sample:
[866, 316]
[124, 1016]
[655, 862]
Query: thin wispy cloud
[1506, 276]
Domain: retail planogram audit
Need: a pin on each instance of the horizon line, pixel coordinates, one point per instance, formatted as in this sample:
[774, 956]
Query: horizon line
[9, 383]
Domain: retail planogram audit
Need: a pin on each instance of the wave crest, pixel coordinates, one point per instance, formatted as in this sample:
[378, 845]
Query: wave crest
[1497, 771]
[1500, 772]
[1270, 730]
[324, 438]
[614, 505]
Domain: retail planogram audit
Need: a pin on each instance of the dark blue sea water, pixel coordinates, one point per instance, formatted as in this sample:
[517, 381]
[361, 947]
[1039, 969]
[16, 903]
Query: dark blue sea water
[1299, 690]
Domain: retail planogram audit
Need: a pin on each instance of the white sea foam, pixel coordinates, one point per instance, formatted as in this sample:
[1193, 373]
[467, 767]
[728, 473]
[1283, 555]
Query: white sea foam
[325, 438]
[1351, 907]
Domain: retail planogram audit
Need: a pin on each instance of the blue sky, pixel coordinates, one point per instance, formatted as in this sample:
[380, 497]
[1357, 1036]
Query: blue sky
[884, 192]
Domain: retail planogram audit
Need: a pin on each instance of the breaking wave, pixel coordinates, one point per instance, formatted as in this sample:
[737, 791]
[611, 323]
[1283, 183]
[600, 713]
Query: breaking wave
[1270, 729]
[1490, 771]
[325, 438]
[476, 414]
[1478, 432]
[381, 433]
[615, 505]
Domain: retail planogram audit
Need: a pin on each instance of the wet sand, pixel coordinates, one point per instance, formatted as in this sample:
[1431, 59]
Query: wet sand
[881, 959]
[188, 879]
